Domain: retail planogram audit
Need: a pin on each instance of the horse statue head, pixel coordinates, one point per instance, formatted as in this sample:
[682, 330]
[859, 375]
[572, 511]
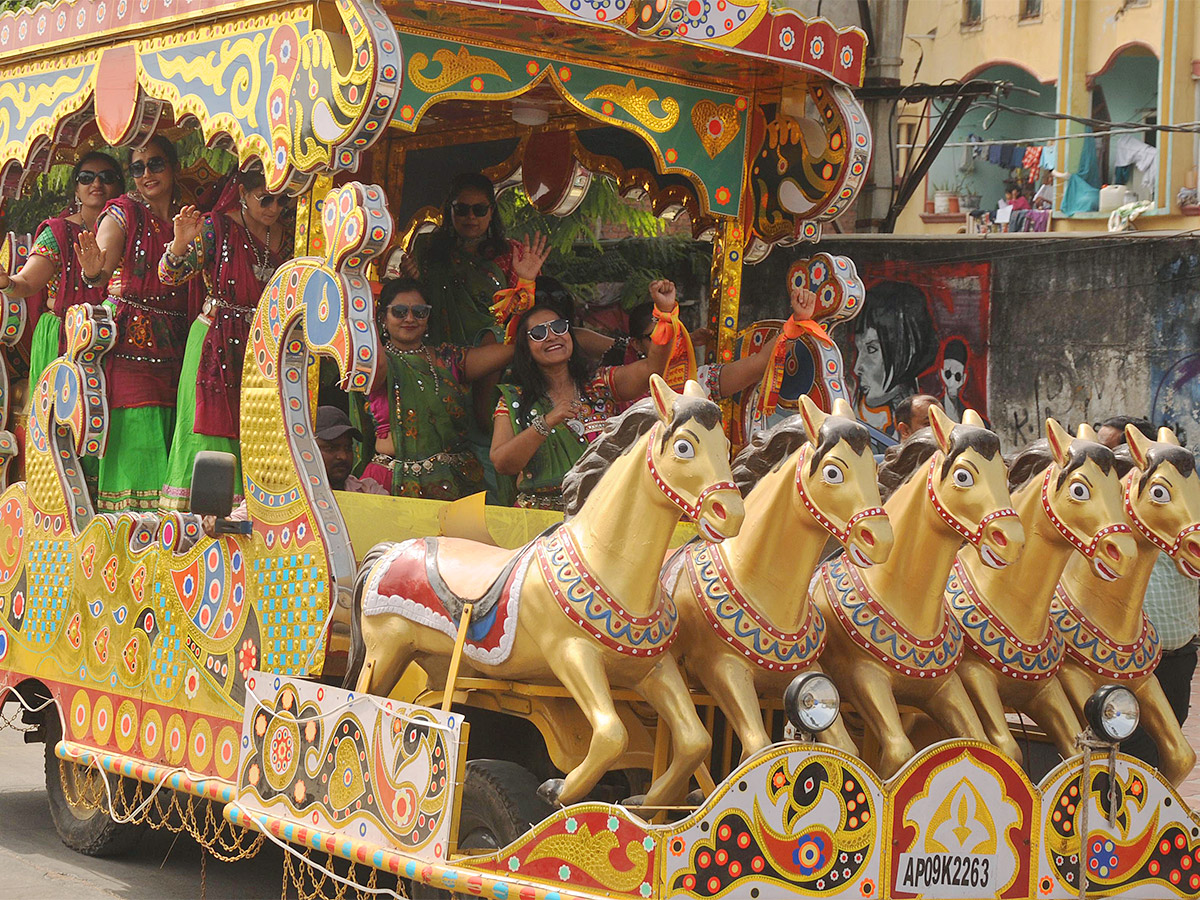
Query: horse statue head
[836, 482]
[967, 488]
[688, 458]
[1080, 496]
[1162, 497]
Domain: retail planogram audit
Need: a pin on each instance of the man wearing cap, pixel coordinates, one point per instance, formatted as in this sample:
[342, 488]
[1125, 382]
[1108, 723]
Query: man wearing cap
[334, 439]
[334, 433]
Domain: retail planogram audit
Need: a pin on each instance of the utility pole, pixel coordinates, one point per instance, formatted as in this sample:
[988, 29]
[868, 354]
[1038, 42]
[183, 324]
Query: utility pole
[883, 21]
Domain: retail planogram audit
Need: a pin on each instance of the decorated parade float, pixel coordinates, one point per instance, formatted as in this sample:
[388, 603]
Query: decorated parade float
[620, 705]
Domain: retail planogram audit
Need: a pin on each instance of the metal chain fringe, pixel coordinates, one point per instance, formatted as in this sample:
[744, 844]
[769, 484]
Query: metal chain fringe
[138, 803]
[311, 879]
[162, 808]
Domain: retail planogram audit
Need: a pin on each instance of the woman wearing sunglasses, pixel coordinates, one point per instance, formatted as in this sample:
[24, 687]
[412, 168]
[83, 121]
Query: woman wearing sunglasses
[52, 266]
[152, 323]
[421, 409]
[236, 248]
[558, 404]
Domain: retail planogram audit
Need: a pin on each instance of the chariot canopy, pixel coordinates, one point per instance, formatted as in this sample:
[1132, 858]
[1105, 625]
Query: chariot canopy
[737, 115]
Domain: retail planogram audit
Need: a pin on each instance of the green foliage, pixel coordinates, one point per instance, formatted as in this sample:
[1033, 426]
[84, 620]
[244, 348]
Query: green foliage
[582, 260]
[17, 5]
[600, 206]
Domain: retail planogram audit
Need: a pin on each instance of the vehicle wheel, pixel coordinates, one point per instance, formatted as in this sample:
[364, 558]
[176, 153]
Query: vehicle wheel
[499, 804]
[80, 811]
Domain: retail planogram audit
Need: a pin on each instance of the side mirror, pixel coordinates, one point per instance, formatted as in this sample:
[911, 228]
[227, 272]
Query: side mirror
[212, 490]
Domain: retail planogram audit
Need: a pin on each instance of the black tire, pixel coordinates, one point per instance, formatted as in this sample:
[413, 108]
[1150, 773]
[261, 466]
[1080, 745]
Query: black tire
[499, 804]
[84, 827]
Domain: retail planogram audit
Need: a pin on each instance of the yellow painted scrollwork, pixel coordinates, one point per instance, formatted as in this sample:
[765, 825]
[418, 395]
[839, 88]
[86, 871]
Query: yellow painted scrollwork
[455, 67]
[636, 101]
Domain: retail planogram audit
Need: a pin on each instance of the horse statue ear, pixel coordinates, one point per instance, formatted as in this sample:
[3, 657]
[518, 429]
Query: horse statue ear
[692, 389]
[970, 417]
[1060, 441]
[941, 425]
[664, 398]
[814, 417]
[1086, 432]
[843, 409]
[1167, 436]
[1139, 445]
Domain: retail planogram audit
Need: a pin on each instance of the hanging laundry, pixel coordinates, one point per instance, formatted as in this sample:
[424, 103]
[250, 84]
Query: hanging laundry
[1032, 162]
[1050, 157]
[993, 153]
[1129, 150]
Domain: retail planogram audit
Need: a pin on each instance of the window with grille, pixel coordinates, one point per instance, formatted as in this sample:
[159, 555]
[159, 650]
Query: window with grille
[972, 12]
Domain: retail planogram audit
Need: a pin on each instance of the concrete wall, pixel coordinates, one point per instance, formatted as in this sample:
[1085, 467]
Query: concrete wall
[1080, 329]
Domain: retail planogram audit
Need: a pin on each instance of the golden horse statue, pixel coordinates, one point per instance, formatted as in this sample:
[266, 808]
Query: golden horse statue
[579, 605]
[890, 640]
[1013, 650]
[746, 626]
[1108, 638]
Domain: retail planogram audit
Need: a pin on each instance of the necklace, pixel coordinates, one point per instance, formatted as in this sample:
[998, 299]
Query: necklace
[423, 352]
[263, 269]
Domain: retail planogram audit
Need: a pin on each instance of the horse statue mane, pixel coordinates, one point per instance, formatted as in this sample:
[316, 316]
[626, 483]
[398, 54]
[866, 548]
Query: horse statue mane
[620, 433]
[766, 450]
[902, 460]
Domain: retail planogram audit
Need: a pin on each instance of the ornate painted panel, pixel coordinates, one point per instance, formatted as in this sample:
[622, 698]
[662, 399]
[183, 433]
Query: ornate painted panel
[373, 769]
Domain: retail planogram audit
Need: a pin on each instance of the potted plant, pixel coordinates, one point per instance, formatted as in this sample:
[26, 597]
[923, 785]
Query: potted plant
[942, 197]
[968, 199]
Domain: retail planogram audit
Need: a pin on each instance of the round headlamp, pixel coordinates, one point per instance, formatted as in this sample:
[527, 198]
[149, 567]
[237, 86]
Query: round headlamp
[1112, 713]
[812, 702]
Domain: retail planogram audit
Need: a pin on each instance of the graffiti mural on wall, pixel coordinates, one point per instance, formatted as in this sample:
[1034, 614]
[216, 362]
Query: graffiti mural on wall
[923, 329]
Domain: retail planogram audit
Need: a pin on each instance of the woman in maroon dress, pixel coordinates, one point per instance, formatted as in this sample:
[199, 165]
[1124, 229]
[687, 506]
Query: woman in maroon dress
[237, 248]
[152, 323]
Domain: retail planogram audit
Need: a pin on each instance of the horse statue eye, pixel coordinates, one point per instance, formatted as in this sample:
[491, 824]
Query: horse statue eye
[1160, 494]
[684, 449]
[1079, 491]
[832, 475]
[963, 477]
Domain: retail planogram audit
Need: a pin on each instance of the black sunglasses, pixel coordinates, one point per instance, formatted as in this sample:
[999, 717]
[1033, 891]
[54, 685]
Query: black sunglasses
[420, 311]
[272, 199]
[478, 210]
[540, 332]
[86, 176]
[156, 165]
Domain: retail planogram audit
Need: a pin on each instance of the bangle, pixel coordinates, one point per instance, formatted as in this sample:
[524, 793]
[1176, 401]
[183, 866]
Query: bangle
[92, 280]
[540, 426]
[172, 259]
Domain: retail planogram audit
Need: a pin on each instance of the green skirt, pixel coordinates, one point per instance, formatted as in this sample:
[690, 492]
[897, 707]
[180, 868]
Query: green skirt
[44, 349]
[134, 465]
[177, 486]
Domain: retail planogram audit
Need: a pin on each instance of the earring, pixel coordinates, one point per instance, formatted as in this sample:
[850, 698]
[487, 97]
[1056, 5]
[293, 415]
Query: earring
[245, 208]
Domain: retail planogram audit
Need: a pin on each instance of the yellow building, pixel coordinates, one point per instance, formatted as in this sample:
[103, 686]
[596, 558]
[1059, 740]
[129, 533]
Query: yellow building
[1108, 61]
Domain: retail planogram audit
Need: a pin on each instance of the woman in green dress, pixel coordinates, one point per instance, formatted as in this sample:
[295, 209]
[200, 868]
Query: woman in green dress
[558, 403]
[419, 403]
[151, 320]
[52, 266]
[236, 248]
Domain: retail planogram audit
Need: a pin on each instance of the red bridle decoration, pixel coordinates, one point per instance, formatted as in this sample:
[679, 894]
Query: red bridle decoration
[1088, 550]
[691, 510]
[972, 537]
[842, 534]
[1172, 550]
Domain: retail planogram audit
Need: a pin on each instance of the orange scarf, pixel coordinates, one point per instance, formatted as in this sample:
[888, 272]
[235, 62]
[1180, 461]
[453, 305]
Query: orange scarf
[510, 304]
[681, 366]
[768, 392]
